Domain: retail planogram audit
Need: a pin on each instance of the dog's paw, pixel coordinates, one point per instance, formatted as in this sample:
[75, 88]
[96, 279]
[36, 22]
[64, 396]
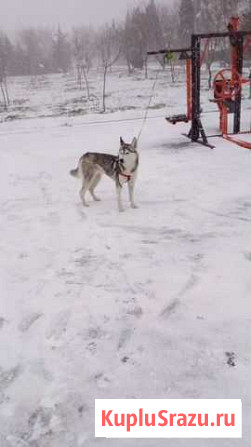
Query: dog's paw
[121, 210]
[134, 206]
[86, 204]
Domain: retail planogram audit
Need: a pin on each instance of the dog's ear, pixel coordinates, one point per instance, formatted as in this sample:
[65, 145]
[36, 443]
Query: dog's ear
[122, 141]
[134, 143]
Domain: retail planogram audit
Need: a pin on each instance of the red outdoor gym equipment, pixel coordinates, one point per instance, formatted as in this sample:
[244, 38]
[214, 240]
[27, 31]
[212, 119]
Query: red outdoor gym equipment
[227, 84]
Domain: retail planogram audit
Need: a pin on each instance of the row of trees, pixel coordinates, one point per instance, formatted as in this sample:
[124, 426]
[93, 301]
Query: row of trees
[152, 26]
[36, 51]
[200, 16]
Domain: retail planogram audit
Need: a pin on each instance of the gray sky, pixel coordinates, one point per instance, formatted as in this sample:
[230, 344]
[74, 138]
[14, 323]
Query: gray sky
[15, 14]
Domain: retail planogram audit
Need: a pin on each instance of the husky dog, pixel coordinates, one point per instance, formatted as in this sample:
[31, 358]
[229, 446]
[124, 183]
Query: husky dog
[121, 168]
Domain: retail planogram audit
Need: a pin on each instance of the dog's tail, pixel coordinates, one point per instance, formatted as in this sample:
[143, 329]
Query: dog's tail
[75, 172]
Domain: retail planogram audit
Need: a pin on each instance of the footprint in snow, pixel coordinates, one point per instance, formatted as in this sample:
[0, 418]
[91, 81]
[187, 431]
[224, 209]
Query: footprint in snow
[59, 325]
[28, 321]
[39, 423]
[136, 312]
[102, 380]
[124, 337]
[8, 376]
[231, 361]
[91, 347]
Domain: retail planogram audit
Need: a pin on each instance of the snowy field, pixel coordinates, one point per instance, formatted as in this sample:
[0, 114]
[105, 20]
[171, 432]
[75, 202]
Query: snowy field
[150, 303]
[59, 95]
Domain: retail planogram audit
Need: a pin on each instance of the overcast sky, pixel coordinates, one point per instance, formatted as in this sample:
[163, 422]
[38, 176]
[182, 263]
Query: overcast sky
[15, 14]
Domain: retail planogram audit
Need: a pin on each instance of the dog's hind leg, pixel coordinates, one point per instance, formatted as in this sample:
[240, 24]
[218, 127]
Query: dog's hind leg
[87, 179]
[83, 191]
[94, 184]
[88, 176]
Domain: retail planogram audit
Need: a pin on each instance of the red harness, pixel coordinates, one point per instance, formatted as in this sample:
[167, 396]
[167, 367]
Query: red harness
[128, 176]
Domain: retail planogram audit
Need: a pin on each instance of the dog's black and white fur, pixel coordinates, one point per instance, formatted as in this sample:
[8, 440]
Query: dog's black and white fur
[121, 168]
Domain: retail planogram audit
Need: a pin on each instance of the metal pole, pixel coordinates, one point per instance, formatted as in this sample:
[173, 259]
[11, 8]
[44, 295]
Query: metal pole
[239, 69]
[195, 132]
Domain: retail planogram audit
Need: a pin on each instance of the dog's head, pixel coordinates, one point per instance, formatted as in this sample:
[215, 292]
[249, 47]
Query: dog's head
[127, 148]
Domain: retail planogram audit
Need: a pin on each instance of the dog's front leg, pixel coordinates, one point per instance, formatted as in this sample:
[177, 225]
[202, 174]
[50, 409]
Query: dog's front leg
[131, 193]
[118, 189]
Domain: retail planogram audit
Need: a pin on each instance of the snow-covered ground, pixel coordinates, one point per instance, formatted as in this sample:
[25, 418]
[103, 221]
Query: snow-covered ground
[150, 303]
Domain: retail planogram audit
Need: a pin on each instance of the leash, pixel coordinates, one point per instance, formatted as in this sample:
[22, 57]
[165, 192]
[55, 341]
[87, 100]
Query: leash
[149, 103]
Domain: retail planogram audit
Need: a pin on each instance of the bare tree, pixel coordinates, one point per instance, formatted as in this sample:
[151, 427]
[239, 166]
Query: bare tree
[214, 15]
[32, 52]
[61, 52]
[155, 34]
[135, 40]
[83, 50]
[5, 55]
[212, 51]
[169, 22]
[128, 42]
[187, 20]
[245, 9]
[146, 28]
[30, 42]
[109, 48]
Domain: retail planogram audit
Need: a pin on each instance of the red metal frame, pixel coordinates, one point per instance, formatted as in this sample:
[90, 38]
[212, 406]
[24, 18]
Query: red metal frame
[241, 143]
[228, 97]
[226, 90]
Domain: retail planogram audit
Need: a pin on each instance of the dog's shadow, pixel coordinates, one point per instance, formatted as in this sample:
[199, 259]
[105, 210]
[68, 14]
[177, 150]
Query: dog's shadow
[177, 146]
